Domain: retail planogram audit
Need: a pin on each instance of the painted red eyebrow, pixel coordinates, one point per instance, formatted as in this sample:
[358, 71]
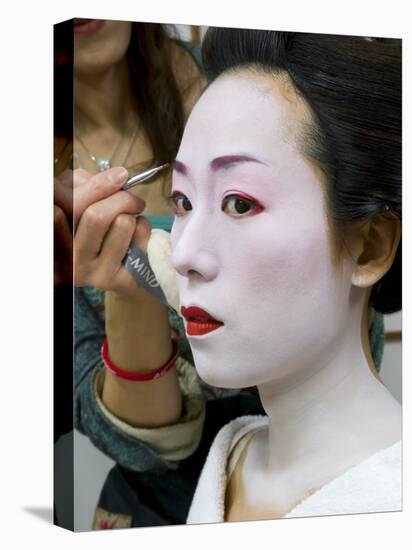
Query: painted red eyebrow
[217, 163]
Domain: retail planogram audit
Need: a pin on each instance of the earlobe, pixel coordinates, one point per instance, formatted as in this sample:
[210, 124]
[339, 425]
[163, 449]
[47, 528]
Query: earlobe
[374, 246]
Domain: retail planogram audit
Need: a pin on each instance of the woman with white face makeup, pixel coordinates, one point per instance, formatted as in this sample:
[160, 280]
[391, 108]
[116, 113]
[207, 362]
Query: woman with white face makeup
[287, 194]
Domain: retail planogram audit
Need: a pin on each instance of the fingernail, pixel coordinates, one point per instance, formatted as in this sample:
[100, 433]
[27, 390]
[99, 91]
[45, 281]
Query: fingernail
[117, 175]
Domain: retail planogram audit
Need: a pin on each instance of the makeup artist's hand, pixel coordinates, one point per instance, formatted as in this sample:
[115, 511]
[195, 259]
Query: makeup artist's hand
[63, 239]
[105, 224]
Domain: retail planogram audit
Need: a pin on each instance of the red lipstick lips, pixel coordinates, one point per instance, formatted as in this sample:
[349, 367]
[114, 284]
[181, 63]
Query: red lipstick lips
[199, 321]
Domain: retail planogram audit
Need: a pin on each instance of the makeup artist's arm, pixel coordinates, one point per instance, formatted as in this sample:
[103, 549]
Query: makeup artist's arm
[137, 326]
[139, 340]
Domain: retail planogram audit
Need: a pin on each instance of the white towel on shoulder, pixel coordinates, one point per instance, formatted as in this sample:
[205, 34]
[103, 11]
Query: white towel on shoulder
[374, 485]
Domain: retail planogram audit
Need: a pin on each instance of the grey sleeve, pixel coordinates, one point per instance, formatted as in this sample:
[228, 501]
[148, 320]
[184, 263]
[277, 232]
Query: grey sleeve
[89, 418]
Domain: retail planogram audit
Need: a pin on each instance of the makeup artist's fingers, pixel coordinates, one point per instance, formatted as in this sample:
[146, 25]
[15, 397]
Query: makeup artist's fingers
[93, 227]
[65, 178]
[80, 177]
[142, 233]
[98, 217]
[116, 244]
[63, 187]
[110, 273]
[63, 238]
[98, 187]
[63, 196]
[63, 248]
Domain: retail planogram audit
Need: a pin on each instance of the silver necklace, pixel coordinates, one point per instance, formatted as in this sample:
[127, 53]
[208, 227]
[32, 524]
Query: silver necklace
[105, 164]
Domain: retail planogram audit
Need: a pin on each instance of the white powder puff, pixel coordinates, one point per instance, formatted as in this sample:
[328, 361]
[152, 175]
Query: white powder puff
[159, 254]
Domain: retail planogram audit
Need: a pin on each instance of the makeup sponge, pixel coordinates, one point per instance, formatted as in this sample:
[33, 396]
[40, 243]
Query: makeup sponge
[160, 259]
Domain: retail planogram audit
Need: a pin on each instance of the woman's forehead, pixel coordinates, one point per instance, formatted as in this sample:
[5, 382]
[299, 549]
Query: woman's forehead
[246, 109]
[247, 116]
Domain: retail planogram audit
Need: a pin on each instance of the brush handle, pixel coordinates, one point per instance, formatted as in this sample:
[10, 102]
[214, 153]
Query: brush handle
[144, 176]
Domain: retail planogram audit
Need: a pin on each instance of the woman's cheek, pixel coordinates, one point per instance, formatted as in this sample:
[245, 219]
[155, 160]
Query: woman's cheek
[176, 231]
[277, 254]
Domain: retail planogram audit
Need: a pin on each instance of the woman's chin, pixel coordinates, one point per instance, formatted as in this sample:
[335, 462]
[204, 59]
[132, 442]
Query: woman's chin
[216, 375]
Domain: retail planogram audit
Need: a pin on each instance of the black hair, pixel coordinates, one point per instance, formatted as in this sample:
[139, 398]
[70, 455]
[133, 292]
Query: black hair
[353, 88]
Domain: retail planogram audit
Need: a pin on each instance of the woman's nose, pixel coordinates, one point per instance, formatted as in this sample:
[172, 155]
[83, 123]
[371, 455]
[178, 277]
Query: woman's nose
[194, 254]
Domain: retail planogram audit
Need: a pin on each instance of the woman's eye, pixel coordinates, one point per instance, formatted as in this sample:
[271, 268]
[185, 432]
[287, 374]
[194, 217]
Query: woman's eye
[239, 207]
[180, 204]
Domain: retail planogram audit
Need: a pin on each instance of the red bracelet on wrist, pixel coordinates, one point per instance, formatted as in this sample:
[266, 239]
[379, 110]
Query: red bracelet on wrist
[138, 376]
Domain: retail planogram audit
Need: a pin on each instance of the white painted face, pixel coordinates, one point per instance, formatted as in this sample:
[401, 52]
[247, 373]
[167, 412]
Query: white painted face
[250, 242]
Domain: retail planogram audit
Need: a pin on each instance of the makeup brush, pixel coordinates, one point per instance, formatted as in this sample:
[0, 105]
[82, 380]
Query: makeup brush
[143, 176]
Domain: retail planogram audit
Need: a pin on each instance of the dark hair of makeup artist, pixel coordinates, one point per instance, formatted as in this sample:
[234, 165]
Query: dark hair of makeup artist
[353, 87]
[157, 95]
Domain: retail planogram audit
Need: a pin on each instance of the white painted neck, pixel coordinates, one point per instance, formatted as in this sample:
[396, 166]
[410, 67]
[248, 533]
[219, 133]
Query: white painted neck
[334, 409]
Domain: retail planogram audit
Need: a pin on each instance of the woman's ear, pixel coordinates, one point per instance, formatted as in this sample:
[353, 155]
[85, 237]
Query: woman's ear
[373, 244]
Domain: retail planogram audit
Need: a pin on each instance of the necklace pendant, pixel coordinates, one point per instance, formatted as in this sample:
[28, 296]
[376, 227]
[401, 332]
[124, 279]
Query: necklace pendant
[103, 164]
